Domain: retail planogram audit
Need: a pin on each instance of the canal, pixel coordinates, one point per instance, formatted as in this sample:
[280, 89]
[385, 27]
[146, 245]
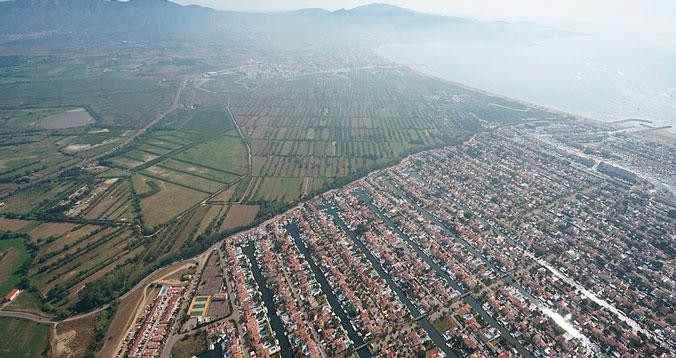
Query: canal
[432, 332]
[275, 321]
[365, 199]
[363, 352]
[506, 277]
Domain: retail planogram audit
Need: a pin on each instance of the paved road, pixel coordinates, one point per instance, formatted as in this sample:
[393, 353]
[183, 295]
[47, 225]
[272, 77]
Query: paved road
[171, 341]
[27, 316]
[39, 319]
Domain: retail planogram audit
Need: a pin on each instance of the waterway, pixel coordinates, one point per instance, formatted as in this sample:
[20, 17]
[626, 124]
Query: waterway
[275, 321]
[292, 228]
[365, 199]
[432, 332]
[556, 317]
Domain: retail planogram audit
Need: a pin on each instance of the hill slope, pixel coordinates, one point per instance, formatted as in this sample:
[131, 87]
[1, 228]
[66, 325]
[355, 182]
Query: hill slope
[370, 24]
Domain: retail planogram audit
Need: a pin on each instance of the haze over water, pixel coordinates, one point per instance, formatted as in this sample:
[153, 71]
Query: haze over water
[602, 76]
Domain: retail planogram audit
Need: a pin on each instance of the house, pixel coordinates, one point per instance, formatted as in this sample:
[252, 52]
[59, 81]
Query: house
[12, 294]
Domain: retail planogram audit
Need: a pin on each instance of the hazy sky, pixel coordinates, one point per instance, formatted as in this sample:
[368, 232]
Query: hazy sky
[643, 15]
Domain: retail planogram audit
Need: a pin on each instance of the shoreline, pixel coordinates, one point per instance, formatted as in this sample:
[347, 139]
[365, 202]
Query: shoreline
[419, 68]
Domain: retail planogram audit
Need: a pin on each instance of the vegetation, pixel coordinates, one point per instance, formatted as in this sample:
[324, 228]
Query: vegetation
[183, 183]
[100, 327]
[14, 262]
[21, 338]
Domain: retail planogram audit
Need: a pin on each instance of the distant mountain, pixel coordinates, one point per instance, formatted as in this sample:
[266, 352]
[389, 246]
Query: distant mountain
[382, 23]
[369, 25]
[26, 16]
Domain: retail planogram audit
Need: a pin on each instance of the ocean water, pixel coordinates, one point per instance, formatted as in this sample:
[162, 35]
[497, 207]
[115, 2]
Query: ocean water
[598, 76]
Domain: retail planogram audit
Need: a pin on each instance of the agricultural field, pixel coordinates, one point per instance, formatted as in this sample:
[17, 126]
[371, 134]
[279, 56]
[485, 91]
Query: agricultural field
[167, 202]
[195, 156]
[71, 339]
[12, 225]
[109, 200]
[21, 338]
[35, 154]
[224, 157]
[123, 214]
[225, 154]
[31, 156]
[68, 260]
[308, 132]
[38, 198]
[12, 255]
[128, 101]
[239, 216]
[282, 189]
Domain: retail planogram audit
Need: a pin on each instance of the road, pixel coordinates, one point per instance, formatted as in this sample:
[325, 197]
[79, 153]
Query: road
[39, 319]
[142, 302]
[241, 135]
[442, 272]
[174, 106]
[27, 316]
[126, 142]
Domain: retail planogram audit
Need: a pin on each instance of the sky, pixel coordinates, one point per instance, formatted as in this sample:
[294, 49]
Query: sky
[654, 17]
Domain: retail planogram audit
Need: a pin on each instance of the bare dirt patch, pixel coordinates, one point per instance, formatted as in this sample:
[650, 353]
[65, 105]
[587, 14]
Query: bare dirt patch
[307, 184]
[149, 157]
[7, 224]
[50, 229]
[77, 147]
[73, 118]
[70, 339]
[189, 345]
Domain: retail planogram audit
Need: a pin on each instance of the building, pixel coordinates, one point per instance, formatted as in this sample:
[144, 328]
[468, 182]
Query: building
[12, 294]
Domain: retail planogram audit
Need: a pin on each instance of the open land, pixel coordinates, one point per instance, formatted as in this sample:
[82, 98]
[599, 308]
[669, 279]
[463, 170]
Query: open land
[21, 338]
[470, 262]
[498, 227]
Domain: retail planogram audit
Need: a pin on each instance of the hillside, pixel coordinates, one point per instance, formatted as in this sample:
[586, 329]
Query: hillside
[370, 24]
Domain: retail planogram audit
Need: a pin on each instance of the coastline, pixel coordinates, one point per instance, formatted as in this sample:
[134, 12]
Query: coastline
[662, 130]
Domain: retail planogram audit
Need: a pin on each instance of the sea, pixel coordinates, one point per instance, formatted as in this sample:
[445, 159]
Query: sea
[601, 76]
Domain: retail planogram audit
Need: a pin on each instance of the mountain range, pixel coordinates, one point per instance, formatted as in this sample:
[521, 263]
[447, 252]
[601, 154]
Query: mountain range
[369, 24]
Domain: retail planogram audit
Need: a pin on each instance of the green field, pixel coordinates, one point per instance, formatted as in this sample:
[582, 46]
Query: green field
[21, 338]
[164, 205]
[186, 179]
[283, 189]
[13, 255]
[29, 200]
[224, 153]
[208, 120]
